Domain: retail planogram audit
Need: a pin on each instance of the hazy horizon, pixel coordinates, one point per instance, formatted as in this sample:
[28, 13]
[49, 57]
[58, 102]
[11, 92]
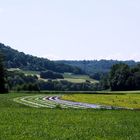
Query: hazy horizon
[72, 30]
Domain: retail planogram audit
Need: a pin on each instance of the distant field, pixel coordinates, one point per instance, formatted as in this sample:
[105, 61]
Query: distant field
[67, 76]
[78, 78]
[73, 80]
[30, 72]
[20, 122]
[25, 72]
[128, 100]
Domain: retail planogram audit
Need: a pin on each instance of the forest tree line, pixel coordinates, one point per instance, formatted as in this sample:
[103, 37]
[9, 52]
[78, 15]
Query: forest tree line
[16, 59]
[94, 67]
[122, 77]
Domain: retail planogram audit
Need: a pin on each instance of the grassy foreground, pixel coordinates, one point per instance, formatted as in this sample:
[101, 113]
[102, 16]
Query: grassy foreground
[19, 122]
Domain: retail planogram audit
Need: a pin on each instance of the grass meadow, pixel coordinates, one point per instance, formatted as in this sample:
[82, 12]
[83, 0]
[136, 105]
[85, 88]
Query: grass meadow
[20, 122]
[129, 100]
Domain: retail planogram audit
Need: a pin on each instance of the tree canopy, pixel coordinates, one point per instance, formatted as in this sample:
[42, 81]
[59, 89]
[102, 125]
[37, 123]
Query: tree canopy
[122, 77]
[16, 59]
[3, 88]
[51, 75]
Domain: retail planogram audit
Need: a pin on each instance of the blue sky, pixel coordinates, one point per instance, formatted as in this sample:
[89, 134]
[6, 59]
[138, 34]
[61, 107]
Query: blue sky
[72, 29]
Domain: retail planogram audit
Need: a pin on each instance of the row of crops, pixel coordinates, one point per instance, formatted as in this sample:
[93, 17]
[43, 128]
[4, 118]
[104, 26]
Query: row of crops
[40, 101]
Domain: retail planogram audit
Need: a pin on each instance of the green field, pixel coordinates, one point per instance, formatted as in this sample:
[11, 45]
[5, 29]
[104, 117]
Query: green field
[24, 71]
[78, 78]
[128, 100]
[20, 122]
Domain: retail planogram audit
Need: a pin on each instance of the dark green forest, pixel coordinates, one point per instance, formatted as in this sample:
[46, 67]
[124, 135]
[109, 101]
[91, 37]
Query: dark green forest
[124, 77]
[95, 67]
[16, 59]
[50, 75]
[3, 76]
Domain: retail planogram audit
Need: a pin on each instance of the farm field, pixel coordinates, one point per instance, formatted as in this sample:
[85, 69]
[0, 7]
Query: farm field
[67, 76]
[55, 101]
[25, 72]
[128, 99]
[18, 121]
[78, 78]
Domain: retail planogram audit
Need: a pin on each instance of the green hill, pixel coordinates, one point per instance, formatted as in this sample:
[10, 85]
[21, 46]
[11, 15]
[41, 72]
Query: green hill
[94, 66]
[16, 59]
